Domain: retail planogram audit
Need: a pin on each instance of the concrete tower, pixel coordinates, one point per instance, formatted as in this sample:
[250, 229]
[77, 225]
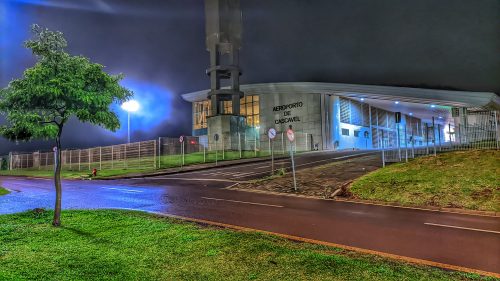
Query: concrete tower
[223, 40]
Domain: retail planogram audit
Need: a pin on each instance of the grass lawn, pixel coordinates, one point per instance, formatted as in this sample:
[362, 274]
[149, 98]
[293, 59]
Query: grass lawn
[462, 179]
[125, 245]
[3, 191]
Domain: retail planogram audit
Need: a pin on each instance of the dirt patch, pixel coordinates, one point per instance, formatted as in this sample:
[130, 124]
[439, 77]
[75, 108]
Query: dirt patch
[321, 181]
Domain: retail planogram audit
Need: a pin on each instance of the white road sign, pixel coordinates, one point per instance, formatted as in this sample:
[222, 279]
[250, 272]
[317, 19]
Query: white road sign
[271, 133]
[290, 134]
[181, 139]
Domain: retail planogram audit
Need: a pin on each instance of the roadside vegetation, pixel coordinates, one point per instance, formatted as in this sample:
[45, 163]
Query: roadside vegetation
[462, 179]
[3, 191]
[125, 245]
[166, 162]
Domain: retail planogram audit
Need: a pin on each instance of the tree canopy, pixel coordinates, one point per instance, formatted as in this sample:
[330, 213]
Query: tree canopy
[56, 88]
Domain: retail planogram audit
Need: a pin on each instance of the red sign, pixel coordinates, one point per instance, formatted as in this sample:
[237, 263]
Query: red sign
[290, 134]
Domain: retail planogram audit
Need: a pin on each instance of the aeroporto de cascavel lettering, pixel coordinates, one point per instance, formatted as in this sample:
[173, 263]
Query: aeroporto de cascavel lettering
[287, 112]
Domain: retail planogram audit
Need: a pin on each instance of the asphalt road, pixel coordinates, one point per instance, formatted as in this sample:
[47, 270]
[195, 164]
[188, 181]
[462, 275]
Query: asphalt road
[462, 240]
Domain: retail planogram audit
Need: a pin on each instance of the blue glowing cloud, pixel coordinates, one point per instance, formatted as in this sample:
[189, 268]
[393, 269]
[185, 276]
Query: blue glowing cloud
[155, 106]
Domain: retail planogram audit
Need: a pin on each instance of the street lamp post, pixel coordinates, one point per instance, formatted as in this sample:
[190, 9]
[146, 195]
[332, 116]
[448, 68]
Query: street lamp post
[130, 106]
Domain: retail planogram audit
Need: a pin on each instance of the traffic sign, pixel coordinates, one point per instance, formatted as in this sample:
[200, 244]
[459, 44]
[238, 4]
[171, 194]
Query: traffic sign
[290, 135]
[181, 139]
[271, 133]
[216, 137]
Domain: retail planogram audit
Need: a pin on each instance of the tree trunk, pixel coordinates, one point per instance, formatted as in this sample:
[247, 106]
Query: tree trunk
[57, 182]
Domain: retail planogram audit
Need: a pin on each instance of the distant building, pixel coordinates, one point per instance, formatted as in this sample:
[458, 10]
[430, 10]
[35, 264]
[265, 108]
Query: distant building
[344, 116]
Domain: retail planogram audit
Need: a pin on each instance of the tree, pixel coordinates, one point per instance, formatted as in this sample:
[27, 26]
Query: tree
[58, 87]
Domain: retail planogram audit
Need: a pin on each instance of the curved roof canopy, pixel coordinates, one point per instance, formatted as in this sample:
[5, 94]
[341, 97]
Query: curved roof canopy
[468, 99]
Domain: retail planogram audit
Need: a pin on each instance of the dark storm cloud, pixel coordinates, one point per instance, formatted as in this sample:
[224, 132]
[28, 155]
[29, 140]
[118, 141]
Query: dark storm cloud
[446, 43]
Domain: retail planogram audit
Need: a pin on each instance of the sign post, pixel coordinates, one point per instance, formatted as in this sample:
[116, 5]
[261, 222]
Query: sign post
[56, 159]
[291, 137]
[216, 138]
[271, 134]
[181, 140]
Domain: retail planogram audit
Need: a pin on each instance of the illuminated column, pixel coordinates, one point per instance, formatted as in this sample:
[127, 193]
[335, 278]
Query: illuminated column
[223, 41]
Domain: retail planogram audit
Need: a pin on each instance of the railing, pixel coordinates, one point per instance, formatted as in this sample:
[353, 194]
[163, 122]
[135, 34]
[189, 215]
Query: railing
[165, 152]
[481, 133]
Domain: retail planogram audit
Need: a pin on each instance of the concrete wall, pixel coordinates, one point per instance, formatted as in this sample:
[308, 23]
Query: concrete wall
[302, 111]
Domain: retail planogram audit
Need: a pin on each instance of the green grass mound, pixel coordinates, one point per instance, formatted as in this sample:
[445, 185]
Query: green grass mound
[124, 245]
[3, 191]
[463, 179]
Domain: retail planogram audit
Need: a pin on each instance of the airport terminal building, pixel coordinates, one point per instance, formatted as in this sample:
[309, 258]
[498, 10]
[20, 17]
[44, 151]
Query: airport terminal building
[346, 116]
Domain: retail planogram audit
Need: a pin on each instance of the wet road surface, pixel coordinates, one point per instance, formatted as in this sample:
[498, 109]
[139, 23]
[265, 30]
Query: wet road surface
[463, 240]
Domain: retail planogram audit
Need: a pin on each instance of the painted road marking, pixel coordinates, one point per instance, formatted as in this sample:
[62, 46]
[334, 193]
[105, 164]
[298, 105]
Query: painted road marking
[124, 190]
[308, 163]
[335, 158]
[464, 228]
[241, 166]
[243, 202]
[190, 179]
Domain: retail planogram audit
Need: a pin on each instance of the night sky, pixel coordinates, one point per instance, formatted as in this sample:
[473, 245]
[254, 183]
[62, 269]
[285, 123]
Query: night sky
[159, 46]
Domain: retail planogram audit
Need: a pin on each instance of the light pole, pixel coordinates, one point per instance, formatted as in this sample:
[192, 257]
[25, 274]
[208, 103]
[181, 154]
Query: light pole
[130, 106]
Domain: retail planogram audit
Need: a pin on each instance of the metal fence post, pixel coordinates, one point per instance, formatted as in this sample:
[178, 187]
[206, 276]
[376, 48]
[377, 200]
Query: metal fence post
[140, 160]
[439, 136]
[100, 158]
[79, 160]
[125, 156]
[399, 142]
[427, 138]
[255, 143]
[239, 143]
[306, 149]
[154, 155]
[496, 129]
[183, 152]
[383, 150]
[434, 135]
[223, 154]
[204, 154]
[406, 145]
[89, 159]
[282, 143]
[112, 157]
[269, 145]
[159, 153]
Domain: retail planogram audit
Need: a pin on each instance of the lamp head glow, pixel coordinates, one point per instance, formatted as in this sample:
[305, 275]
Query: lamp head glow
[130, 106]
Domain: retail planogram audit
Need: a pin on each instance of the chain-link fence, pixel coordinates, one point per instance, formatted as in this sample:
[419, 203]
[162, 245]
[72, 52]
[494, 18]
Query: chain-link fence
[137, 155]
[162, 153]
[479, 130]
[197, 150]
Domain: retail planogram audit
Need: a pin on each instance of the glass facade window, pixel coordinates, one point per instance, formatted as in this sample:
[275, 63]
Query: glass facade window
[249, 107]
[345, 132]
[201, 110]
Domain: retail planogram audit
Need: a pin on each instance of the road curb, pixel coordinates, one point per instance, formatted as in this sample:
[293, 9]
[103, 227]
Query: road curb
[330, 244]
[376, 203]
